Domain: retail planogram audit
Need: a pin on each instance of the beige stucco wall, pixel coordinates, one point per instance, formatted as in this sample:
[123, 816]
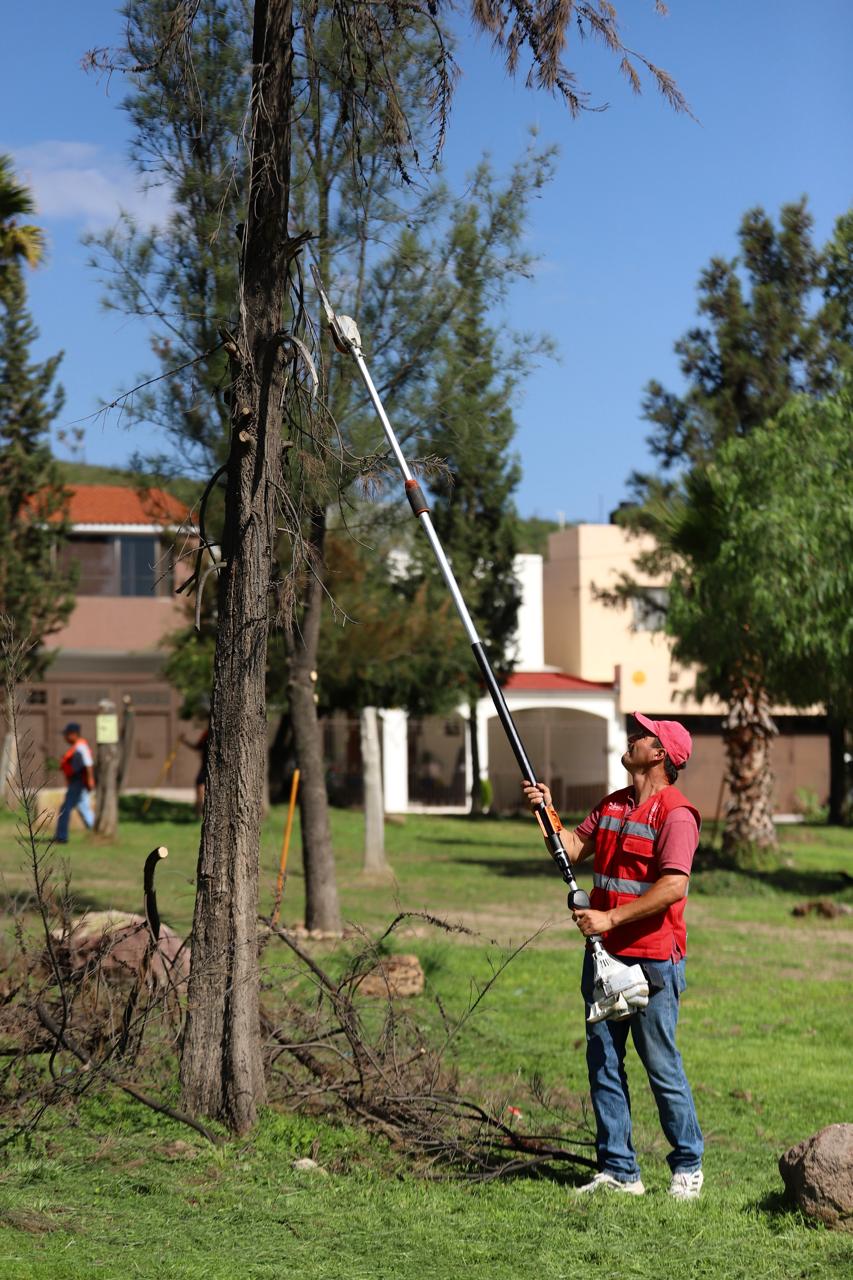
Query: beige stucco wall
[120, 624]
[586, 637]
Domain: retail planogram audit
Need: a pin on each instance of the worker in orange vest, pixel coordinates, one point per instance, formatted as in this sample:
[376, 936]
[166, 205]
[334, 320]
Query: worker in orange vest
[642, 840]
[78, 767]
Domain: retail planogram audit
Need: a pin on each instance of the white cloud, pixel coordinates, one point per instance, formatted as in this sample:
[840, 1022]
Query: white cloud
[82, 182]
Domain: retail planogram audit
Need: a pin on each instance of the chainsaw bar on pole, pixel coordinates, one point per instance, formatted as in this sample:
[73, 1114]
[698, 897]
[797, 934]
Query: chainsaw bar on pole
[619, 990]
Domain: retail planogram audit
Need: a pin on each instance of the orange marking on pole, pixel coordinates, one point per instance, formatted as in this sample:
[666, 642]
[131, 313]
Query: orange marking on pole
[285, 845]
[555, 820]
[161, 777]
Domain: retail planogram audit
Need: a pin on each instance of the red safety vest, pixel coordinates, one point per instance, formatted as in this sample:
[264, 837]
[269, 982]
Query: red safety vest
[65, 763]
[625, 867]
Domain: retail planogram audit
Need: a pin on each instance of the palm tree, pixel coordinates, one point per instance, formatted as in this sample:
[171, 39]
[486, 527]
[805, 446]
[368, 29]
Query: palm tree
[19, 241]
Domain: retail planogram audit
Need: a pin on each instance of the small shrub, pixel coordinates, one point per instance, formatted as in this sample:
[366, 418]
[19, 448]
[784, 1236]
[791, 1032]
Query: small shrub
[808, 803]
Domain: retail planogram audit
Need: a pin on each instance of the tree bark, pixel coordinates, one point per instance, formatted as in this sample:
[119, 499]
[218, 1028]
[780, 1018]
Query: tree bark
[375, 862]
[106, 774]
[476, 783]
[282, 760]
[128, 719]
[221, 1065]
[9, 773]
[322, 910]
[839, 813]
[748, 730]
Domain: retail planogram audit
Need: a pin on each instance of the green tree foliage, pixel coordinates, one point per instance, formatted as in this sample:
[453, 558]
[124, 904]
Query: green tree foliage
[778, 322]
[778, 326]
[20, 242]
[472, 429]
[391, 644]
[759, 545]
[34, 590]
[763, 535]
[533, 532]
[181, 277]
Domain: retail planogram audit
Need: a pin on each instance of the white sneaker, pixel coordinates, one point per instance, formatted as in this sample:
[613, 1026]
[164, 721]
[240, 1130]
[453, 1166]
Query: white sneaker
[609, 1183]
[687, 1186]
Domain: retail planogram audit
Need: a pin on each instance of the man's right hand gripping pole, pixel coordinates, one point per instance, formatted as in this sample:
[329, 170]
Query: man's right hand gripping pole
[618, 990]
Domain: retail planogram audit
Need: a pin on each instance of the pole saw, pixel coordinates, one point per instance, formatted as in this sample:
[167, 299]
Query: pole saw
[619, 990]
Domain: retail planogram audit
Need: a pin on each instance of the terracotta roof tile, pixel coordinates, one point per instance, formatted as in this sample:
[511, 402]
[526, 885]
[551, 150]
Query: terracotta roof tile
[116, 504]
[550, 682]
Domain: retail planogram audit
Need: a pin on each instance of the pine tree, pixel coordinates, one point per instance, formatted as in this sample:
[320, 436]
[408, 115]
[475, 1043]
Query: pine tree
[221, 1064]
[34, 589]
[472, 427]
[778, 325]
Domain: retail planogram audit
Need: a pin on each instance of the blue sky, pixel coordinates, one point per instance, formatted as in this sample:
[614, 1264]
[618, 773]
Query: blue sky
[641, 200]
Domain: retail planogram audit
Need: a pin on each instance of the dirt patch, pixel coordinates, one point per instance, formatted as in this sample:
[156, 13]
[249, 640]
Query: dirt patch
[29, 1220]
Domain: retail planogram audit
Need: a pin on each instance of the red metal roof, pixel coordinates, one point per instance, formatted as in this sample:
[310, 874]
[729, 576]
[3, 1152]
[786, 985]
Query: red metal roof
[550, 682]
[115, 504]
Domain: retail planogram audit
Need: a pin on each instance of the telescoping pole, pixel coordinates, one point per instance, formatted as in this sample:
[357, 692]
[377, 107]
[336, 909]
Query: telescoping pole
[348, 340]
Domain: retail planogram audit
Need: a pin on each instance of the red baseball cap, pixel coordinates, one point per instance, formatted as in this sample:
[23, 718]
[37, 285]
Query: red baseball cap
[674, 738]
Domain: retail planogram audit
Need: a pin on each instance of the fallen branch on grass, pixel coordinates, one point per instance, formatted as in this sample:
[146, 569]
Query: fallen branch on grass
[394, 1080]
[64, 1039]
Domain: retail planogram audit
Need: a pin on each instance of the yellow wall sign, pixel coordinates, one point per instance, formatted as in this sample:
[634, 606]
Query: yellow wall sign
[106, 729]
[639, 677]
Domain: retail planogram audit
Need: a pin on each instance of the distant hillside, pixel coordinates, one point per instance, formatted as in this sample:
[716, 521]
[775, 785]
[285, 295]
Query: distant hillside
[533, 535]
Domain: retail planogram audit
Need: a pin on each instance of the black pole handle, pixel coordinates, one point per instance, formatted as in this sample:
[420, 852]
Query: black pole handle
[542, 813]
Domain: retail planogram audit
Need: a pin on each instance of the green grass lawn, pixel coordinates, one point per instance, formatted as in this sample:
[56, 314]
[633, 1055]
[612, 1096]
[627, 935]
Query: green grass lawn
[114, 1190]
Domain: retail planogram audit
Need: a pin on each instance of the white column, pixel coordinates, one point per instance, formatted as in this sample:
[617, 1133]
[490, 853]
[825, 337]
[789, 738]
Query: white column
[485, 708]
[469, 774]
[395, 759]
[616, 775]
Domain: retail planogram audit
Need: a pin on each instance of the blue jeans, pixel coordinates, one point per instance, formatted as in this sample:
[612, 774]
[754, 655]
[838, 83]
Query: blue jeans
[653, 1033]
[76, 797]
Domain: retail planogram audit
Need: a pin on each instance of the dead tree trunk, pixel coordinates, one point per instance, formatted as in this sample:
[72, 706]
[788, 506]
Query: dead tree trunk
[106, 769]
[748, 730]
[322, 910]
[375, 862]
[839, 800]
[221, 1065]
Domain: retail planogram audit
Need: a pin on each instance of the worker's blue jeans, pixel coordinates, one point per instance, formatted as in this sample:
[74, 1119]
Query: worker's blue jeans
[76, 797]
[653, 1033]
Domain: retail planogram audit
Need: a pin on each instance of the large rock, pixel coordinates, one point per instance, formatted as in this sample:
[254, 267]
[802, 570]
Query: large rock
[818, 1175]
[397, 975]
[116, 942]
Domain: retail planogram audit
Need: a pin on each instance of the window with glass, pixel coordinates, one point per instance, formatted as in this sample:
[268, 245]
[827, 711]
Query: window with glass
[123, 565]
[649, 609]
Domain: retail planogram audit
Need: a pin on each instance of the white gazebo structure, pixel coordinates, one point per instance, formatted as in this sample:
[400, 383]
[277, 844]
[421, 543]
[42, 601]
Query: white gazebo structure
[572, 731]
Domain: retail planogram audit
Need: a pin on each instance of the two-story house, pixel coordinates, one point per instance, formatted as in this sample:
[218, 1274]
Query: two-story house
[112, 646]
[582, 668]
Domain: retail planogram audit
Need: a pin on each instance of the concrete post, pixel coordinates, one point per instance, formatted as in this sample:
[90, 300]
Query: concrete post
[395, 759]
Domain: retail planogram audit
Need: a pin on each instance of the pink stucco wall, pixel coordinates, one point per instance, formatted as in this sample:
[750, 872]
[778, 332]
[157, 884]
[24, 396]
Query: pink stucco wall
[123, 624]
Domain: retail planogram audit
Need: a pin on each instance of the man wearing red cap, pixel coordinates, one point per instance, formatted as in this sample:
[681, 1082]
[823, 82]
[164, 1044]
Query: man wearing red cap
[642, 839]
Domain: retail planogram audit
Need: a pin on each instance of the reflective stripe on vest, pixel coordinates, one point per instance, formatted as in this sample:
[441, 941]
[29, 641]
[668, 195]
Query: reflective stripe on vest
[642, 829]
[621, 873]
[617, 885]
